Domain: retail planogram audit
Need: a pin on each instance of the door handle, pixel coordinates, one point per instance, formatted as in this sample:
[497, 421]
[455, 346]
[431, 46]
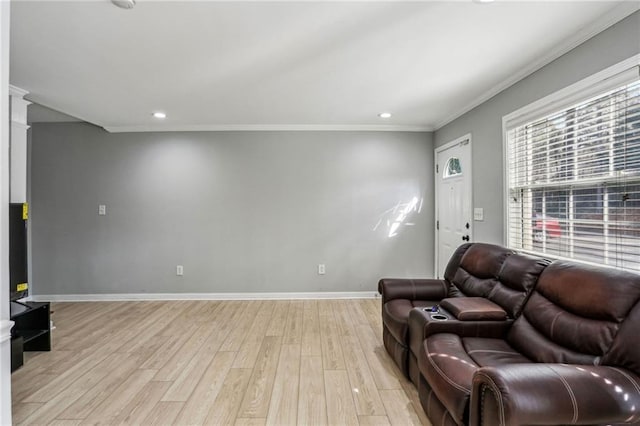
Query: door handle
[465, 238]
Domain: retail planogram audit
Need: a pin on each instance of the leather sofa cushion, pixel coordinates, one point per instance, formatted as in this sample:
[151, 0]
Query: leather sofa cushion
[590, 292]
[448, 363]
[395, 314]
[575, 313]
[449, 370]
[454, 262]
[473, 309]
[492, 352]
[484, 261]
[518, 276]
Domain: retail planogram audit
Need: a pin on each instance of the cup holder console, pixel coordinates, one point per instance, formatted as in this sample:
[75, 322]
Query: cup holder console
[435, 314]
[438, 317]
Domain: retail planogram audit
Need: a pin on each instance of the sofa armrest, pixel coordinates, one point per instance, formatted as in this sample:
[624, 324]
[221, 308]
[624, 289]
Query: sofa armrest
[421, 326]
[412, 289]
[553, 394]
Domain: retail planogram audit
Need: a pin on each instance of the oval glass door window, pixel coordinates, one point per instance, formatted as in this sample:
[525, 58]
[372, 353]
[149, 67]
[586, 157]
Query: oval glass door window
[453, 167]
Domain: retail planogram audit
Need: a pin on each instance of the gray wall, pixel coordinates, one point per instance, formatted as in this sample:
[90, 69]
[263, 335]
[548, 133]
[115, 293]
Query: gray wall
[484, 122]
[242, 211]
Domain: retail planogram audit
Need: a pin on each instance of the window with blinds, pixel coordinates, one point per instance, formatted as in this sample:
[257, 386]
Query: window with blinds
[573, 180]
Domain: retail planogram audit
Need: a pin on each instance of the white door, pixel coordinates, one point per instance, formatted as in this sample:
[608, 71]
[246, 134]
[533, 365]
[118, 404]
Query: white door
[453, 199]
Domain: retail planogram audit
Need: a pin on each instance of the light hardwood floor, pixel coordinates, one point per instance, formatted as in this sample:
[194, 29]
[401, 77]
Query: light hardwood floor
[311, 362]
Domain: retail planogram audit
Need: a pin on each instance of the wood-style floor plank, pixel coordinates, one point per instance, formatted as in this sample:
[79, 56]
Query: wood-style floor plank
[22, 411]
[332, 358]
[65, 423]
[207, 389]
[341, 409]
[245, 421]
[176, 365]
[312, 403]
[191, 374]
[400, 410]
[311, 344]
[277, 362]
[279, 318]
[163, 414]
[85, 386]
[142, 404]
[114, 404]
[385, 373]
[283, 408]
[374, 421]
[258, 395]
[241, 324]
[365, 393]
[106, 382]
[248, 352]
[293, 325]
[225, 408]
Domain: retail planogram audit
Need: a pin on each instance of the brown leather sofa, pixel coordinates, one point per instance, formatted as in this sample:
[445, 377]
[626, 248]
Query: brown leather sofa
[571, 356]
[476, 270]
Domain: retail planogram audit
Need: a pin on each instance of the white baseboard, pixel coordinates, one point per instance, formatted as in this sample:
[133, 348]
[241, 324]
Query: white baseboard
[202, 296]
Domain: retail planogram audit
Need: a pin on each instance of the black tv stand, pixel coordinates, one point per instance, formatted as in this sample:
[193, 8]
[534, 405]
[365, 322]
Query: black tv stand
[31, 331]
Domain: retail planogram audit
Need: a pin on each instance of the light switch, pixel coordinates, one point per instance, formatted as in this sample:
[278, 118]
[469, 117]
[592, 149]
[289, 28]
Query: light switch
[478, 214]
[102, 210]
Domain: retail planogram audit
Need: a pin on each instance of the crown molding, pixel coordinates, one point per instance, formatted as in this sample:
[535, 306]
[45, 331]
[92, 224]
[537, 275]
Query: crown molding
[204, 296]
[16, 91]
[615, 15]
[269, 128]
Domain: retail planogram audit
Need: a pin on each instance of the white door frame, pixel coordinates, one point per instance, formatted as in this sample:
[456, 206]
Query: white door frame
[437, 193]
[5, 324]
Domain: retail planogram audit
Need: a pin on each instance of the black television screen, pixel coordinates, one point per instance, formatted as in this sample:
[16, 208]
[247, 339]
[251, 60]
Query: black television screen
[18, 251]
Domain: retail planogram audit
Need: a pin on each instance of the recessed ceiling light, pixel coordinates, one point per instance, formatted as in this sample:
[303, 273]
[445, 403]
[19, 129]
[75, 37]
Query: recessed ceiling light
[159, 114]
[384, 115]
[483, 1]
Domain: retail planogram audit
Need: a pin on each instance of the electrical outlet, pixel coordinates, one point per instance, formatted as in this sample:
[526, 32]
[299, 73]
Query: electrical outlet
[321, 269]
[102, 209]
[179, 270]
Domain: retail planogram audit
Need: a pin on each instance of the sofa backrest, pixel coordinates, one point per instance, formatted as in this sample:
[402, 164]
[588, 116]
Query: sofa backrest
[454, 262]
[474, 267]
[579, 314]
[494, 272]
[516, 281]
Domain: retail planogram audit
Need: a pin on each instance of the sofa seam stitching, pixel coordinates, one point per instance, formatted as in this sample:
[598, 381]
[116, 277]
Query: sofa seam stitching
[492, 351]
[444, 376]
[498, 395]
[574, 402]
[553, 324]
[633, 382]
[631, 379]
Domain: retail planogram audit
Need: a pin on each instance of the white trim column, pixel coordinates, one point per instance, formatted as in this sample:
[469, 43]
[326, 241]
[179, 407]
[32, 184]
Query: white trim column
[18, 145]
[5, 324]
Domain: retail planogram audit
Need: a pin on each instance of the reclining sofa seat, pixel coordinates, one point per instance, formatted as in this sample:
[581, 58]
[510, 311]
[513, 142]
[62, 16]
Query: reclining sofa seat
[572, 357]
[476, 270]
[518, 276]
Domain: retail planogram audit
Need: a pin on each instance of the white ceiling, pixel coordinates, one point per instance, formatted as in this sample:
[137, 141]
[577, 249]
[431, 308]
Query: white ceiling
[266, 65]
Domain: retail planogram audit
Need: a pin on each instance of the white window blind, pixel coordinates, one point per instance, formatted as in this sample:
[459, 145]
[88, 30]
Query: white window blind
[573, 180]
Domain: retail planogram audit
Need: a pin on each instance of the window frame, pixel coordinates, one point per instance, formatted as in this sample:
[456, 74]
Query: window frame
[597, 84]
